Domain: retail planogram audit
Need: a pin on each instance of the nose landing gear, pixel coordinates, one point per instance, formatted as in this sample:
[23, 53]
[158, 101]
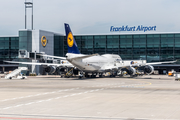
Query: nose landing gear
[81, 74]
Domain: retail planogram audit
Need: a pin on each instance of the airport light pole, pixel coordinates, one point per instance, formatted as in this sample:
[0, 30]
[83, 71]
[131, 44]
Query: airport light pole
[28, 5]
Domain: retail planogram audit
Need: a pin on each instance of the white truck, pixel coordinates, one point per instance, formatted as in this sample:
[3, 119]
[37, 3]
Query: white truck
[177, 76]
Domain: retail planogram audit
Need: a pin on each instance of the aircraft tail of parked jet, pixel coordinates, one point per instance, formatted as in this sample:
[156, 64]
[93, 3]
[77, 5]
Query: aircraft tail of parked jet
[71, 43]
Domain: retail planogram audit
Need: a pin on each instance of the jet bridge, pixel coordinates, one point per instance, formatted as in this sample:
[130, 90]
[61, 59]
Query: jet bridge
[35, 57]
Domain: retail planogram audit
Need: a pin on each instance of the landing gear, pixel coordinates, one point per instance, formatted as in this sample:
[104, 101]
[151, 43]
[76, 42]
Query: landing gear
[113, 74]
[90, 75]
[133, 75]
[93, 75]
[120, 73]
[81, 75]
[100, 75]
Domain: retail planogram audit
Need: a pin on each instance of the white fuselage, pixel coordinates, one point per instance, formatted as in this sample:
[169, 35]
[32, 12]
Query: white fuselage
[98, 63]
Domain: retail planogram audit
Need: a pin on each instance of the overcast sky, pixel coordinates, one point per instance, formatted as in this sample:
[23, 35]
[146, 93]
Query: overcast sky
[90, 16]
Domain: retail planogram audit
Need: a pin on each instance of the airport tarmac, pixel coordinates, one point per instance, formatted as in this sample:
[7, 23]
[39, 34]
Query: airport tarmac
[154, 97]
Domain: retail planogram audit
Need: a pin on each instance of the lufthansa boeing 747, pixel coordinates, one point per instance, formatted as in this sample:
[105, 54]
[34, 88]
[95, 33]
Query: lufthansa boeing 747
[100, 64]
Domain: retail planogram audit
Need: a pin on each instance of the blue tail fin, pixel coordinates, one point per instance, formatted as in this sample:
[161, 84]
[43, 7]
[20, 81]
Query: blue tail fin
[71, 43]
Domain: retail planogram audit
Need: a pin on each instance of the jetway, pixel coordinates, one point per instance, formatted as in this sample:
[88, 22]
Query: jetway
[42, 57]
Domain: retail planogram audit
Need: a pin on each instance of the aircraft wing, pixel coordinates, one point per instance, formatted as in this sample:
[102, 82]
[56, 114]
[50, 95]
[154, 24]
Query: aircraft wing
[48, 64]
[144, 64]
[154, 63]
[160, 62]
[120, 66]
[55, 57]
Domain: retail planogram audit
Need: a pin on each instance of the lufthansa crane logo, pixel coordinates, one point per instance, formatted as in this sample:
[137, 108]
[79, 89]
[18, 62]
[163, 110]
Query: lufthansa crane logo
[43, 41]
[70, 39]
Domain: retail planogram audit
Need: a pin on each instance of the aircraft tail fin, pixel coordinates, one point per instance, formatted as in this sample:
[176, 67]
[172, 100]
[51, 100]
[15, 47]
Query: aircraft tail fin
[71, 43]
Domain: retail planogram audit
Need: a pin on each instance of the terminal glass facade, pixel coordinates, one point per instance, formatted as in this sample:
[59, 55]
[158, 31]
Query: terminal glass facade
[58, 45]
[150, 47]
[25, 40]
[9, 47]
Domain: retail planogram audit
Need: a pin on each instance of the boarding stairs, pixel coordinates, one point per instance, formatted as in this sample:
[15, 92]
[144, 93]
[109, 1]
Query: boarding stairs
[15, 73]
[69, 73]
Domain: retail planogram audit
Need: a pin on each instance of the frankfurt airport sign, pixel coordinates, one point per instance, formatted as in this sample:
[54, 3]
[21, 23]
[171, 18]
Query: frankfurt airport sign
[134, 28]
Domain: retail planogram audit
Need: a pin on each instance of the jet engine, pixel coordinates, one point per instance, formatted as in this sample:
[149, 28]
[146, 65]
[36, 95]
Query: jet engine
[149, 69]
[131, 71]
[50, 69]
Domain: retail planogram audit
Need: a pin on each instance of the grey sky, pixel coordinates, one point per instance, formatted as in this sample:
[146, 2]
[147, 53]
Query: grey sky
[91, 16]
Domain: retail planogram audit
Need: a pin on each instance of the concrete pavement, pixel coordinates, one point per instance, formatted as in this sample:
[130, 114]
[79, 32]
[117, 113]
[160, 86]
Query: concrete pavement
[36, 98]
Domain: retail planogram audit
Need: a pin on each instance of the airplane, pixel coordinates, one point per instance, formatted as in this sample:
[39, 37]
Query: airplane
[99, 64]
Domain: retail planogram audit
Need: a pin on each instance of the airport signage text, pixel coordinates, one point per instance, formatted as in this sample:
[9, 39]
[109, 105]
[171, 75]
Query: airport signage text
[134, 28]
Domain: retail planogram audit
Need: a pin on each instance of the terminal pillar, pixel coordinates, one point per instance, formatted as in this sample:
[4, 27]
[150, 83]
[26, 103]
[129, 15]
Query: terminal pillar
[3, 69]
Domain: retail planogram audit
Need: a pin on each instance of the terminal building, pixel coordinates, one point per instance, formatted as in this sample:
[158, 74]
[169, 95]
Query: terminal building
[154, 47]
